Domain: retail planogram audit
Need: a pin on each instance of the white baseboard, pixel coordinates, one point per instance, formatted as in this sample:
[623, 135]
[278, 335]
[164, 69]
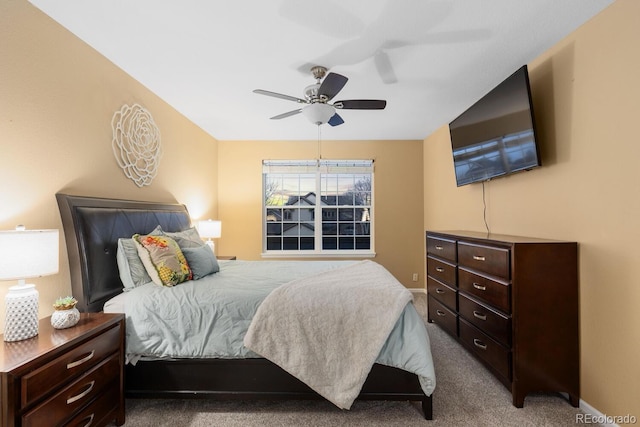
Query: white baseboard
[595, 417]
[418, 290]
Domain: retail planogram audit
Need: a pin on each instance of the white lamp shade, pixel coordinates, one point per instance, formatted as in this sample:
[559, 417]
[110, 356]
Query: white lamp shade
[210, 229]
[28, 253]
[318, 113]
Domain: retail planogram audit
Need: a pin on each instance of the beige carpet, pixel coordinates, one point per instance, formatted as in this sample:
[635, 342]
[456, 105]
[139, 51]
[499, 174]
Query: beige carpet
[466, 395]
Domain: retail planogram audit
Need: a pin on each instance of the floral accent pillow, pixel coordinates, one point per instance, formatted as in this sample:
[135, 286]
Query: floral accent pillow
[162, 258]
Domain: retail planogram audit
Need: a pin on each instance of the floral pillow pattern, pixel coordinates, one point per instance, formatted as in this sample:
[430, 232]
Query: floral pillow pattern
[164, 261]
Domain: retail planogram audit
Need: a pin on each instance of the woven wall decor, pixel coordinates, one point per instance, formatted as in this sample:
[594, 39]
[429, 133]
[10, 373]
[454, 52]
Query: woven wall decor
[136, 143]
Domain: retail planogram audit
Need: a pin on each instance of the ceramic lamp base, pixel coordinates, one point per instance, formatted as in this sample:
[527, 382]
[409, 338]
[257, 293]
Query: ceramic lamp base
[21, 321]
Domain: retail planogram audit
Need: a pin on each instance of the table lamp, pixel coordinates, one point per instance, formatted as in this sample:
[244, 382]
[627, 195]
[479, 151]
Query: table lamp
[210, 230]
[25, 254]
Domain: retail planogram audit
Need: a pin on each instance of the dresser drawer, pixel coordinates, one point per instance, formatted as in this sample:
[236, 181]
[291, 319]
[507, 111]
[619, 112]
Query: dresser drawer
[495, 293]
[442, 293]
[442, 271]
[486, 319]
[490, 260]
[74, 396]
[443, 317]
[74, 362]
[494, 354]
[442, 248]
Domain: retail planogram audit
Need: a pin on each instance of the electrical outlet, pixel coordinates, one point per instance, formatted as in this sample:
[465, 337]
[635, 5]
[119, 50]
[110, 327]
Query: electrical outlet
[415, 277]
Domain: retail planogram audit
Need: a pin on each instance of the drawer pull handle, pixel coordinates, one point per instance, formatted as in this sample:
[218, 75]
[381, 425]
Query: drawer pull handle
[440, 291]
[479, 287]
[479, 315]
[479, 258]
[439, 269]
[441, 313]
[81, 361]
[81, 395]
[479, 344]
[90, 420]
[438, 247]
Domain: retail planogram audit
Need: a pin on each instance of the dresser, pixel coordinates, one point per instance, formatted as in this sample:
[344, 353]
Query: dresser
[70, 376]
[513, 303]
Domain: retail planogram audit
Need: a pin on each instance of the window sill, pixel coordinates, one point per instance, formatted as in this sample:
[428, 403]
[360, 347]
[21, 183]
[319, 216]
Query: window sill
[342, 254]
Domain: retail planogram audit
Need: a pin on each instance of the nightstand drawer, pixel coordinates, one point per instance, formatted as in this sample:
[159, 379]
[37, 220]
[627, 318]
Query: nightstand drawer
[442, 293]
[72, 363]
[495, 293]
[74, 396]
[490, 260]
[97, 412]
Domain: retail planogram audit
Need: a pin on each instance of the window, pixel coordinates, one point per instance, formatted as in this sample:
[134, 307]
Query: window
[298, 222]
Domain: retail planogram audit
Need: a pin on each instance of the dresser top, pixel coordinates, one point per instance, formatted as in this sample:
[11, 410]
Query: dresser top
[483, 236]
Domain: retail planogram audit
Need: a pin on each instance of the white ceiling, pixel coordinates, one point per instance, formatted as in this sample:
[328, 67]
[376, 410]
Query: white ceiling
[205, 57]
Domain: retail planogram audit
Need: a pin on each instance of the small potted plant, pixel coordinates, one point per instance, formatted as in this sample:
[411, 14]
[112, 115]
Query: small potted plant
[65, 313]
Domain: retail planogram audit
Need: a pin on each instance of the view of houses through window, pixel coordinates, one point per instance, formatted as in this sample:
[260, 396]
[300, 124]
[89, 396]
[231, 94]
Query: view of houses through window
[320, 206]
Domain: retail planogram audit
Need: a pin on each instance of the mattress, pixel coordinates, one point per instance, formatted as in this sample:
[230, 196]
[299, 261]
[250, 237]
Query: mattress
[209, 317]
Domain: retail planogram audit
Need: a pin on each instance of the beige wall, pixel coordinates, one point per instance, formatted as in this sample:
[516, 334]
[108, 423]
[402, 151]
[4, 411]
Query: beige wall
[57, 97]
[397, 196]
[586, 100]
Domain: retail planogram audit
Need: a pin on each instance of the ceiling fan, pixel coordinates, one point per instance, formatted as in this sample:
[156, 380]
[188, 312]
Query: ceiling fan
[317, 97]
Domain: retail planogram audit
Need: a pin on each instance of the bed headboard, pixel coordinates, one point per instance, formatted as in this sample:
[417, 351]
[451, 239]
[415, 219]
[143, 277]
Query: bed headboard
[92, 227]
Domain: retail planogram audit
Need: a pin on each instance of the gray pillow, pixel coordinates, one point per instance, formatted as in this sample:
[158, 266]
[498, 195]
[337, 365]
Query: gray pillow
[132, 271]
[201, 260]
[188, 238]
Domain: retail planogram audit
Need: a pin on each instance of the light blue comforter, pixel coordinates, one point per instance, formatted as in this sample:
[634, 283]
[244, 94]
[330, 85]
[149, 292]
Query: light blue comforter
[208, 318]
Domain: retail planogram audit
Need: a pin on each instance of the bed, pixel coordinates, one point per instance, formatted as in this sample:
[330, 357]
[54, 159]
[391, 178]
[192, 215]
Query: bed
[92, 229]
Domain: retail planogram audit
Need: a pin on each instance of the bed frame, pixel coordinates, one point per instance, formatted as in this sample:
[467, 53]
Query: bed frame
[92, 227]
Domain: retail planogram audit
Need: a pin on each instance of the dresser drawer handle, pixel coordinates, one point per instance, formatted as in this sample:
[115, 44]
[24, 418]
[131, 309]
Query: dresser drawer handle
[440, 291]
[479, 258]
[438, 247]
[89, 420]
[479, 344]
[441, 313]
[81, 361]
[479, 287]
[479, 315]
[440, 269]
[81, 395]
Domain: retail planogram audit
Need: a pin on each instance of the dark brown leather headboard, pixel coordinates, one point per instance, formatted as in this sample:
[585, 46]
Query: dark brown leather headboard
[92, 227]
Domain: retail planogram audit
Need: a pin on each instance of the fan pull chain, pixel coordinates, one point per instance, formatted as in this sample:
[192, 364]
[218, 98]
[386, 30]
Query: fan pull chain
[319, 145]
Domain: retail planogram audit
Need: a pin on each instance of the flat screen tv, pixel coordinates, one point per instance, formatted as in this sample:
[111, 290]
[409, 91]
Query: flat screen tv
[496, 136]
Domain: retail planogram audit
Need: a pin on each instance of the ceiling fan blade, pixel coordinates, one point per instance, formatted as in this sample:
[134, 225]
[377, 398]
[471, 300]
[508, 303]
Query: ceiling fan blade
[281, 96]
[287, 114]
[335, 120]
[361, 104]
[331, 85]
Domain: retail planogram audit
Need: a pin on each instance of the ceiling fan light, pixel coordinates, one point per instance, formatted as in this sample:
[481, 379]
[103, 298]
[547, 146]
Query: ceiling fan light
[318, 113]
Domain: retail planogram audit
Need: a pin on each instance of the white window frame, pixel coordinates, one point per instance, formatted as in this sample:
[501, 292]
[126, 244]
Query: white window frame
[318, 168]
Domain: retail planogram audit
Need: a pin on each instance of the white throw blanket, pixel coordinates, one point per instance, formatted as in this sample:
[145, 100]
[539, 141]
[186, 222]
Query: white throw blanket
[328, 329]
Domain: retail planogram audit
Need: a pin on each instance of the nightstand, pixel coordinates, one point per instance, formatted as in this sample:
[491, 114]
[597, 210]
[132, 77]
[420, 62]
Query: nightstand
[226, 257]
[65, 376]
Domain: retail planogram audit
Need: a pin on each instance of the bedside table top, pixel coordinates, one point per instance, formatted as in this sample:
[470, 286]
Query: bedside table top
[18, 353]
[226, 257]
